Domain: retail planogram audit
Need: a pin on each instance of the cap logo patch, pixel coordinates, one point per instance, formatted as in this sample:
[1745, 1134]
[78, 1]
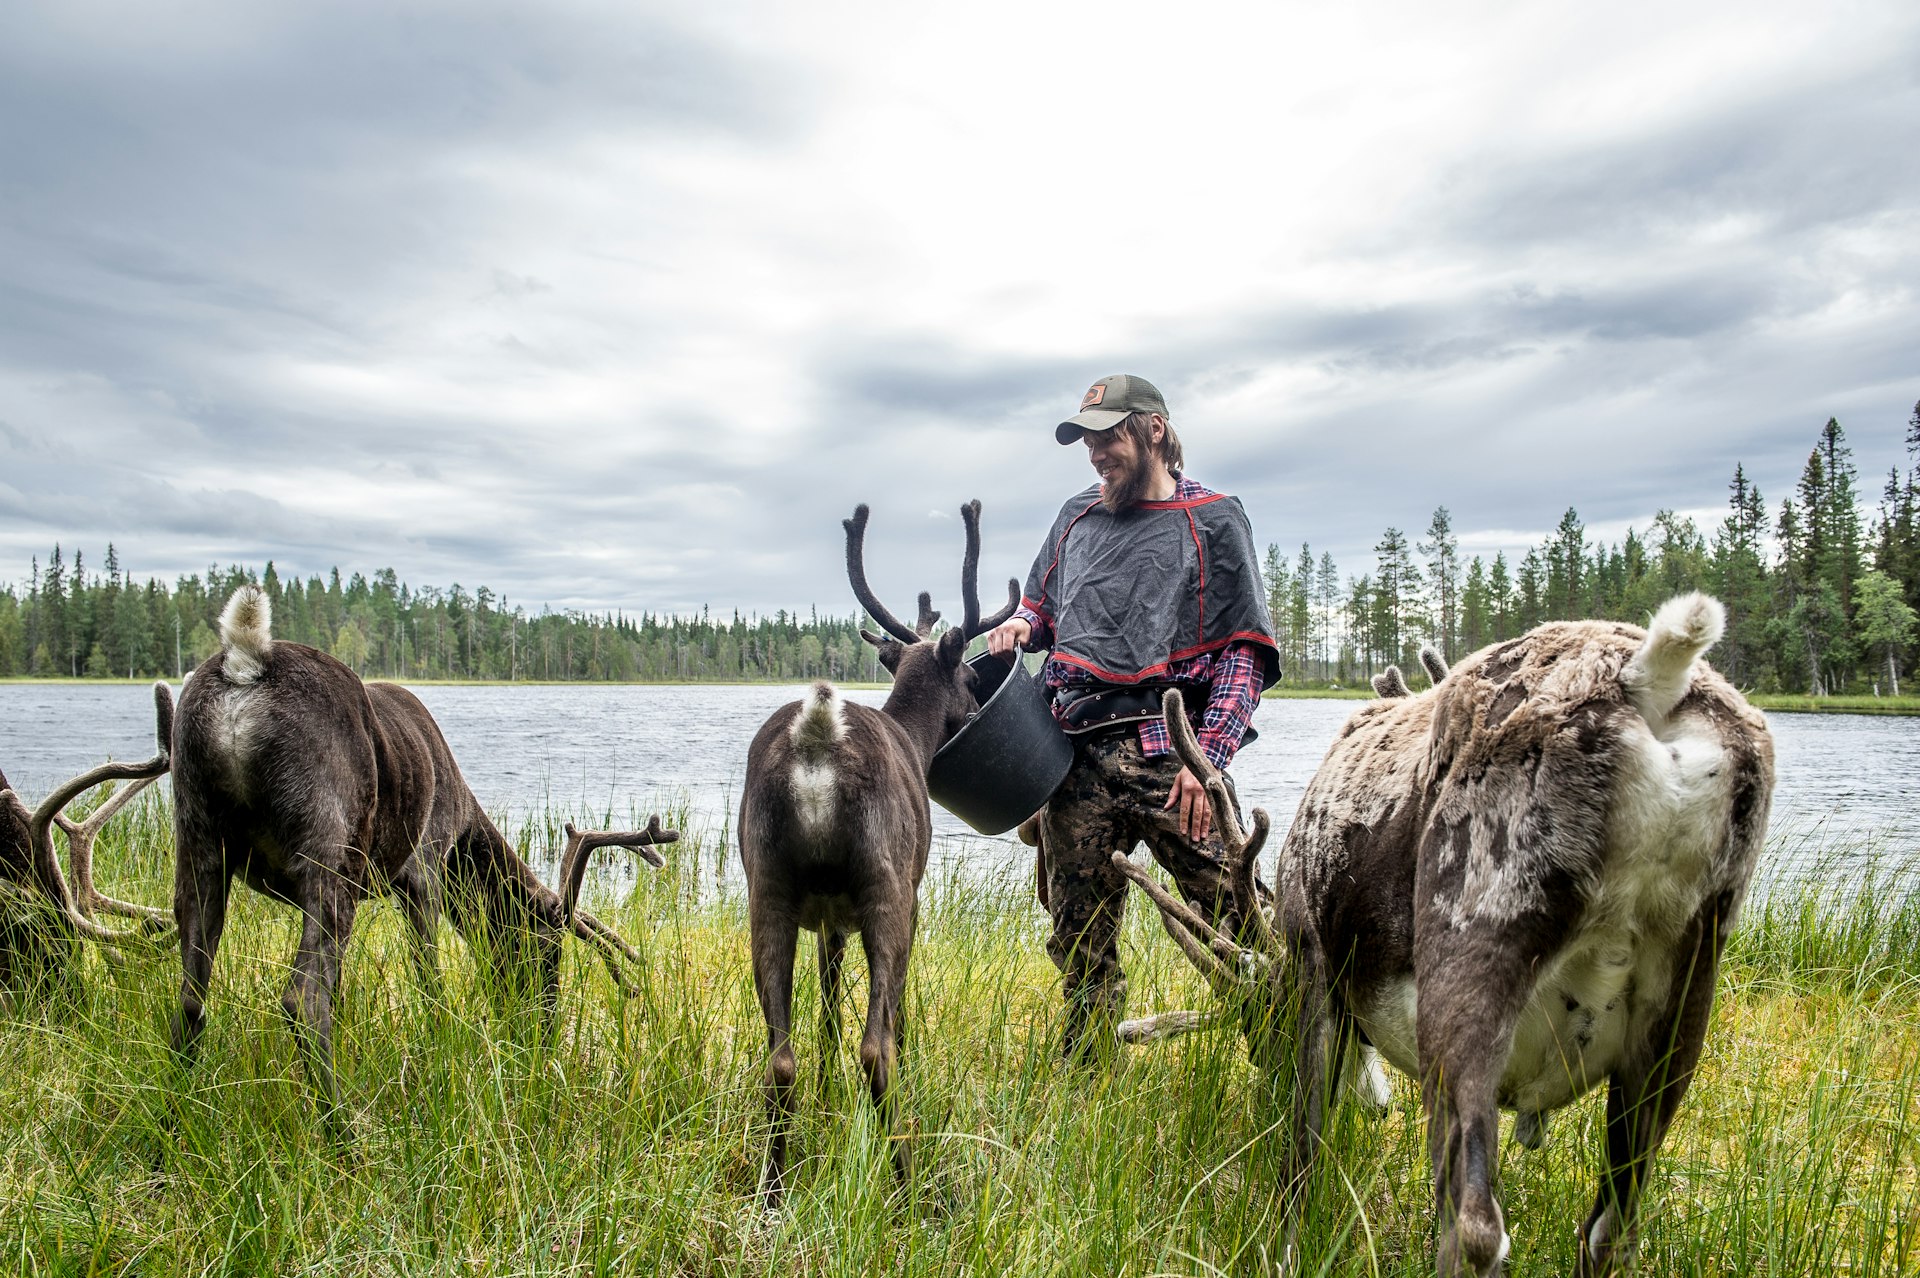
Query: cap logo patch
[1094, 396]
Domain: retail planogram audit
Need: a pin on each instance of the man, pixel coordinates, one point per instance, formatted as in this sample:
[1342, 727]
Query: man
[1147, 581]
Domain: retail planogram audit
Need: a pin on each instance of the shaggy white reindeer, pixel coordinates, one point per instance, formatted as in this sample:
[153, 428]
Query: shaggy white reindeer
[1514, 886]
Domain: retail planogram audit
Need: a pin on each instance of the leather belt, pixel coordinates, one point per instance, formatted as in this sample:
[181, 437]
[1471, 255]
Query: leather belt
[1082, 712]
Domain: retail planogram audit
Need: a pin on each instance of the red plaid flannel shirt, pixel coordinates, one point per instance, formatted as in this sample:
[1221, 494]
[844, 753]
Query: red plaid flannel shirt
[1232, 674]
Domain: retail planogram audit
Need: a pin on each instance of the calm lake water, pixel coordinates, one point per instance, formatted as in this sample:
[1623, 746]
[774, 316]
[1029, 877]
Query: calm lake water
[1847, 783]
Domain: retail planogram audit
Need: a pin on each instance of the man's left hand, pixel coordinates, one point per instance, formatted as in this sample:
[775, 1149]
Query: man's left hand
[1189, 799]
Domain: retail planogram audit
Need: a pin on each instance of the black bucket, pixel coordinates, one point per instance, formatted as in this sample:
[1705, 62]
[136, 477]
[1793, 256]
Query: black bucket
[1006, 762]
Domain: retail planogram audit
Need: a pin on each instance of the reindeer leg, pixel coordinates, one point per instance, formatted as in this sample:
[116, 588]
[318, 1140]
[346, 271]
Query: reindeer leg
[832, 949]
[202, 882]
[419, 900]
[1643, 1095]
[308, 1002]
[1470, 984]
[887, 938]
[1320, 1033]
[775, 932]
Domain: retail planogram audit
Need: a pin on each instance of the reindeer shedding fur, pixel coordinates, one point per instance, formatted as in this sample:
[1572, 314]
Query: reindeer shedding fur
[1516, 886]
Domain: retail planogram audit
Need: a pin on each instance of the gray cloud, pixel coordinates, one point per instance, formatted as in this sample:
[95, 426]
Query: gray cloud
[582, 306]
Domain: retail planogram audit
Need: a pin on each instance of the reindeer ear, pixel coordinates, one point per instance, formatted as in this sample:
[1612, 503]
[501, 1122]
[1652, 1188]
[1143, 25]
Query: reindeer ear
[952, 646]
[890, 650]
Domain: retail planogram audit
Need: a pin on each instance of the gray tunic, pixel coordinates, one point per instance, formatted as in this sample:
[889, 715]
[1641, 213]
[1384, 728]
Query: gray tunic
[1130, 595]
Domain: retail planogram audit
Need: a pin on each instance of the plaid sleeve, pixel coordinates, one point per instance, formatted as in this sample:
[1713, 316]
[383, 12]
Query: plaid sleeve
[1042, 636]
[1236, 691]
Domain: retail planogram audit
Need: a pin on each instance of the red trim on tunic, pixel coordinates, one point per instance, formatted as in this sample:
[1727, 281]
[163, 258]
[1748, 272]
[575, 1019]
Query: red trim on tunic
[1114, 676]
[1187, 503]
[1193, 530]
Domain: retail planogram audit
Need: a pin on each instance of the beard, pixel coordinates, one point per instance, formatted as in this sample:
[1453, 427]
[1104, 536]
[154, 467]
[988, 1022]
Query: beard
[1127, 487]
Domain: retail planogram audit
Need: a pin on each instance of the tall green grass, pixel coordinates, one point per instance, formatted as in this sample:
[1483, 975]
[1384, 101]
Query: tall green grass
[628, 1141]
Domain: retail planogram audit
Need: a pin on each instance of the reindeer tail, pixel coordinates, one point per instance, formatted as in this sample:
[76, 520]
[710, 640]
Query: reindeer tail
[1660, 673]
[820, 723]
[246, 632]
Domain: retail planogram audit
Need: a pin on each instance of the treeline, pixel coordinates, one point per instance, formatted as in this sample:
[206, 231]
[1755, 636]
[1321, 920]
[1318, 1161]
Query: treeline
[1819, 598]
[74, 621]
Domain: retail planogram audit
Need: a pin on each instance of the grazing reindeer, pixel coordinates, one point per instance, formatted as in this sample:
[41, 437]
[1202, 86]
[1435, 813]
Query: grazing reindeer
[320, 790]
[31, 943]
[834, 832]
[1514, 885]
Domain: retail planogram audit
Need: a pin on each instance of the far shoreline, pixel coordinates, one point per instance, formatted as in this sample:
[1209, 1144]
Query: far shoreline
[1906, 705]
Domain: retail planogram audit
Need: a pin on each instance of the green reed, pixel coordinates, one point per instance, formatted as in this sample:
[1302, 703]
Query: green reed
[627, 1140]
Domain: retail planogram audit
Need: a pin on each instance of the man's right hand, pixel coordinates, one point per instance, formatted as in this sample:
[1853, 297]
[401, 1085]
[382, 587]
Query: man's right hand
[1009, 636]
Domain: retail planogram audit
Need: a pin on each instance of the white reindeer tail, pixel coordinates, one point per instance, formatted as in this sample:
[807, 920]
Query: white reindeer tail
[246, 632]
[819, 725]
[1662, 671]
[815, 730]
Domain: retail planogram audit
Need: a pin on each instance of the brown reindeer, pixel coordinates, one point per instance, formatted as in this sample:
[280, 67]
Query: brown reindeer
[46, 915]
[320, 790]
[835, 829]
[1515, 886]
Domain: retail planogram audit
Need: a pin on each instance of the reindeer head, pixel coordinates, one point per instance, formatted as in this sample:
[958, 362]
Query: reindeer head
[33, 870]
[931, 672]
[525, 924]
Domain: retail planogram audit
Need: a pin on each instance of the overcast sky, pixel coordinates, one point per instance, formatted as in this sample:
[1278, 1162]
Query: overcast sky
[623, 306]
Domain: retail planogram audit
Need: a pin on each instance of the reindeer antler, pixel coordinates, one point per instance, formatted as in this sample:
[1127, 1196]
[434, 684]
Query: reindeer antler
[1221, 959]
[857, 574]
[80, 837]
[1435, 664]
[46, 867]
[972, 625]
[581, 845]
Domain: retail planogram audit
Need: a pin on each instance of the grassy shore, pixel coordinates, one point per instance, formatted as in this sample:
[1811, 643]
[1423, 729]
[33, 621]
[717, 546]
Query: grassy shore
[627, 1143]
[1850, 704]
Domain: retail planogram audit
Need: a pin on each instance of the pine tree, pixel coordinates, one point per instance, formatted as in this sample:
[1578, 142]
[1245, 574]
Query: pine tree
[1277, 579]
[1530, 602]
[1327, 603]
[1566, 561]
[1500, 599]
[1301, 620]
[1740, 583]
[1476, 608]
[1442, 551]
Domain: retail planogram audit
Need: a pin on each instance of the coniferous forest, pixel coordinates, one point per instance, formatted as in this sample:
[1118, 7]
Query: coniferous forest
[1821, 586]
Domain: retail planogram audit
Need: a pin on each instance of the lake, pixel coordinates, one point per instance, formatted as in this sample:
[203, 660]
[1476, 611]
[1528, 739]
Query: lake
[1846, 782]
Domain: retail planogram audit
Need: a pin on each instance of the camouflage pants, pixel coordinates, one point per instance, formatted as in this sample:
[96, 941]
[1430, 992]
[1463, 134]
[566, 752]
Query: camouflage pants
[1113, 799]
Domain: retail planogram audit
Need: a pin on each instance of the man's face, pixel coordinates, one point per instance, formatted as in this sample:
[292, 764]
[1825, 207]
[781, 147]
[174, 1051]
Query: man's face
[1126, 469]
[1115, 457]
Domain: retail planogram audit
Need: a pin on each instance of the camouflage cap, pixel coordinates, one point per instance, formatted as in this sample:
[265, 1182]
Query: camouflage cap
[1109, 400]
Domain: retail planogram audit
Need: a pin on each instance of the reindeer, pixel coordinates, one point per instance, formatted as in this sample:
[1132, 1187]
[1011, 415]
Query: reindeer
[835, 829]
[320, 790]
[34, 939]
[1513, 885]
